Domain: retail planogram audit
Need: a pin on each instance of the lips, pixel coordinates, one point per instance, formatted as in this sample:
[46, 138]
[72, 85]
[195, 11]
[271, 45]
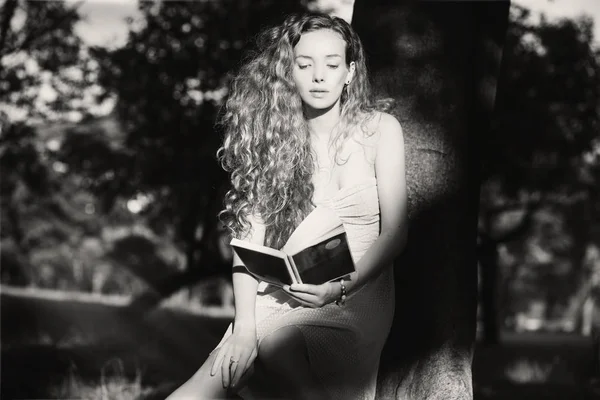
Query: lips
[319, 91]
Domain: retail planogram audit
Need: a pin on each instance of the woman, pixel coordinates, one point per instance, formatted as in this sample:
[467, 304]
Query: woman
[304, 141]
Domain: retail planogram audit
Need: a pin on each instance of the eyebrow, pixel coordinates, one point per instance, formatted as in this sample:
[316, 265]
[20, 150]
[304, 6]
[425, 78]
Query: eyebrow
[327, 56]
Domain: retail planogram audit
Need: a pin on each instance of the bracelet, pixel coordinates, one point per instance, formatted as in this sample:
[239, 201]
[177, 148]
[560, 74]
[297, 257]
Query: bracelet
[342, 300]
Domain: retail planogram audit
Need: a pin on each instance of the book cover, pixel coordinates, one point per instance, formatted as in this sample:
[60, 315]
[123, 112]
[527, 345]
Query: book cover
[264, 263]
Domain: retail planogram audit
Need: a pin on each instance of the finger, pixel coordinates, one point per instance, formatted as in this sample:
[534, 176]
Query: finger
[239, 368]
[233, 372]
[225, 374]
[304, 297]
[299, 294]
[305, 288]
[216, 362]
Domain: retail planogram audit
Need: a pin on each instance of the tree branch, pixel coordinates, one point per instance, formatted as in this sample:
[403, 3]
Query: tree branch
[522, 226]
[8, 11]
[33, 36]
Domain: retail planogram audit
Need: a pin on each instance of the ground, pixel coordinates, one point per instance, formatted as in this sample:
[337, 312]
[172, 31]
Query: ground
[71, 348]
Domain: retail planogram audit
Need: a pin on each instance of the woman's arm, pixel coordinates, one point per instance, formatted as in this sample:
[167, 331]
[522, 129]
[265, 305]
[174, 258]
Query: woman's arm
[244, 284]
[238, 352]
[391, 187]
[244, 293]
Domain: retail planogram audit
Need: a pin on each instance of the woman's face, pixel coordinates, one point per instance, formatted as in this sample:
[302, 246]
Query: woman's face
[320, 70]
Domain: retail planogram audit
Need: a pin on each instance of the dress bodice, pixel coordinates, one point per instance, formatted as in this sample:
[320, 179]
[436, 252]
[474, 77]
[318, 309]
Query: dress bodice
[356, 207]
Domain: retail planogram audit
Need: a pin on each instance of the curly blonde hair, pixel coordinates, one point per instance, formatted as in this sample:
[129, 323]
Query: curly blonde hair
[266, 148]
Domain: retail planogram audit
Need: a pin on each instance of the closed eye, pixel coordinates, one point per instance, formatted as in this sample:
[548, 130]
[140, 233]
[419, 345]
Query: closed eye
[303, 66]
[333, 66]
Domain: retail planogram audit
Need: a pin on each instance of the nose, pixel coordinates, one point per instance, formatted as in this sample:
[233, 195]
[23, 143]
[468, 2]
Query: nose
[318, 75]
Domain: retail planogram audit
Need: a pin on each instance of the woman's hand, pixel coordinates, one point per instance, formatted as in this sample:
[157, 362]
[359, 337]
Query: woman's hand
[235, 356]
[314, 296]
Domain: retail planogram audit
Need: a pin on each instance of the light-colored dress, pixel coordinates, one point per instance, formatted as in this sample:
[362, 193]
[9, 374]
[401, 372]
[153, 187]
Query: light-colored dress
[344, 343]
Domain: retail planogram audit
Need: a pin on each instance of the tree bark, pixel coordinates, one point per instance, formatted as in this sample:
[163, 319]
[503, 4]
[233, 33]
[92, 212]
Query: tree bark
[440, 62]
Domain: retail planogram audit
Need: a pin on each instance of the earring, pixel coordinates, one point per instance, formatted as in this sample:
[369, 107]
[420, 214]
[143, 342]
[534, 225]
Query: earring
[347, 82]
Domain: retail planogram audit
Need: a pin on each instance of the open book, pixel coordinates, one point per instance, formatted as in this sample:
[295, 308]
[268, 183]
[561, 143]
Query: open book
[317, 257]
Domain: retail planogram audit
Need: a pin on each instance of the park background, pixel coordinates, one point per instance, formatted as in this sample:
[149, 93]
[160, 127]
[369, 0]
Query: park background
[108, 187]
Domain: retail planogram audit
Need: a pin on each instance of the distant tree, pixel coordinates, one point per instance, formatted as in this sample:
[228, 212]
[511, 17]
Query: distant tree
[44, 71]
[54, 231]
[44, 67]
[170, 79]
[43, 213]
[543, 153]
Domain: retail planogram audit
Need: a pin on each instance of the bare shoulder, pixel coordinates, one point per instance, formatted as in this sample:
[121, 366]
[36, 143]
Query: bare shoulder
[385, 131]
[376, 123]
[389, 127]
[376, 131]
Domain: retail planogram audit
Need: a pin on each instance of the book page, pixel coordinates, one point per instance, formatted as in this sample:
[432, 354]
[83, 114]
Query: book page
[326, 261]
[321, 224]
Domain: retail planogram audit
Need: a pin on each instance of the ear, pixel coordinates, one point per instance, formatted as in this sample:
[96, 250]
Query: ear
[350, 75]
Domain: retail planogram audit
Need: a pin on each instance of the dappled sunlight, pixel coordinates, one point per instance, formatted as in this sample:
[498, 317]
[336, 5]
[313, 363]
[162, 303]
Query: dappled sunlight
[139, 202]
[116, 275]
[528, 371]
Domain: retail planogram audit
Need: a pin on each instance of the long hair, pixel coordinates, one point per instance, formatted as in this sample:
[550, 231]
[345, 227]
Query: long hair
[266, 146]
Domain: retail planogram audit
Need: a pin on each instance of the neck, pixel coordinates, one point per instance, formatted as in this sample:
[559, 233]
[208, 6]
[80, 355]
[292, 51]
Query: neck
[321, 122]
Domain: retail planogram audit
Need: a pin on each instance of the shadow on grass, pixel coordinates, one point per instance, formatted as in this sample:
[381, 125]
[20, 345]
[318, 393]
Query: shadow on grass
[81, 349]
[45, 341]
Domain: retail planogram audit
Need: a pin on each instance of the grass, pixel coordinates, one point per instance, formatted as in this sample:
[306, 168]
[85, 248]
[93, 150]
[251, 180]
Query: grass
[525, 378]
[78, 349]
[73, 347]
[113, 385]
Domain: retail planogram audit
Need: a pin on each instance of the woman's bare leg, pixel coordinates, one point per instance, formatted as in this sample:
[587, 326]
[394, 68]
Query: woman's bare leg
[285, 357]
[282, 364]
[203, 386]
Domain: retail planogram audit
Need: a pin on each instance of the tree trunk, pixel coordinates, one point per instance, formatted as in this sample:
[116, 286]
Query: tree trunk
[440, 62]
[488, 260]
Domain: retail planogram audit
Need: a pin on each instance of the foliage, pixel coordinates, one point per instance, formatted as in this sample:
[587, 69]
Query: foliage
[547, 103]
[50, 204]
[45, 69]
[157, 149]
[170, 78]
[53, 235]
[539, 200]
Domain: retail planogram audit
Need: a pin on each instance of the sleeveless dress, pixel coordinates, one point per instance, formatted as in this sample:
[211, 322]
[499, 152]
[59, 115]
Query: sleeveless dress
[344, 343]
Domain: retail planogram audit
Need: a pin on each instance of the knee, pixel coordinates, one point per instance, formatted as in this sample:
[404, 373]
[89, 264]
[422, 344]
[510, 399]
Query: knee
[282, 347]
